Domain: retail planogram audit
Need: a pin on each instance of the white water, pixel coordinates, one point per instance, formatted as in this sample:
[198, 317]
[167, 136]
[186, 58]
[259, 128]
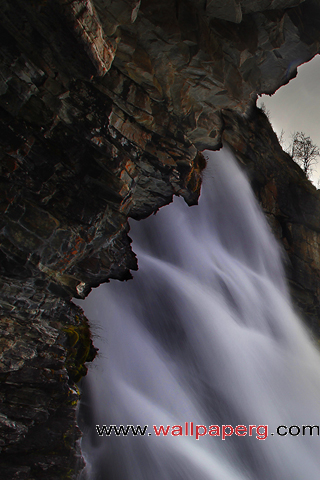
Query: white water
[205, 333]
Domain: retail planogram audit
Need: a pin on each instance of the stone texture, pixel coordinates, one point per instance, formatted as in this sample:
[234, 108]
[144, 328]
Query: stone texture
[105, 105]
[43, 346]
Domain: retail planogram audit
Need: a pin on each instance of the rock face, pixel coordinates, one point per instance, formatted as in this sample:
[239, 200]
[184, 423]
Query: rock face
[105, 106]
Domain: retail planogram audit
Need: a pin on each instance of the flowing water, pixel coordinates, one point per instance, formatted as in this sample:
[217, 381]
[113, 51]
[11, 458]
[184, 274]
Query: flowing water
[205, 333]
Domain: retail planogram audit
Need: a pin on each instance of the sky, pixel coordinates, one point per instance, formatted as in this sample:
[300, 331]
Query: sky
[296, 107]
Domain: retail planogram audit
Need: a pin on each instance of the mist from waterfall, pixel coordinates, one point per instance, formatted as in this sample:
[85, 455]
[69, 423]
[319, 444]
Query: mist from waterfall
[205, 333]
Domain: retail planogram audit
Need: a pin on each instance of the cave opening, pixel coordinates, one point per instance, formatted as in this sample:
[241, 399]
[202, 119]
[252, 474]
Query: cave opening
[295, 107]
[105, 107]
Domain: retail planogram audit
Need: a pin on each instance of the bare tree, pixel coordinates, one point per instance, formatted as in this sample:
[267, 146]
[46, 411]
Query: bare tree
[281, 138]
[265, 110]
[304, 152]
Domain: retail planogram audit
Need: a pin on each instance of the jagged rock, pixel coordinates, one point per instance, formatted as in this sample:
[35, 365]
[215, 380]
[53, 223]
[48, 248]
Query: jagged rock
[104, 108]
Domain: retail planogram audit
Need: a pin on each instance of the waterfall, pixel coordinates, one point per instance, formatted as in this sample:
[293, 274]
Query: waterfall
[205, 335]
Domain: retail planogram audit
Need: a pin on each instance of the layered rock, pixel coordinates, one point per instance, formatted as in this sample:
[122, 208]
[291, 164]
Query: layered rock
[105, 106]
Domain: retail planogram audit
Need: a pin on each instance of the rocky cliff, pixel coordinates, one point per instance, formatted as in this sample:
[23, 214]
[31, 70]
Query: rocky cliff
[105, 108]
